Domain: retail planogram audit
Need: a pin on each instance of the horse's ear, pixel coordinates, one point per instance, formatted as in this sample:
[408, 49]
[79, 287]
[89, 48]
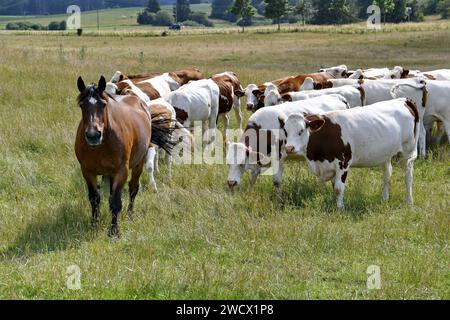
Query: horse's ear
[81, 85]
[102, 84]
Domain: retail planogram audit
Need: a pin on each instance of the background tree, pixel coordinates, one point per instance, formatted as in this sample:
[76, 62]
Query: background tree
[153, 6]
[182, 10]
[443, 8]
[275, 9]
[386, 7]
[221, 9]
[304, 10]
[398, 13]
[244, 10]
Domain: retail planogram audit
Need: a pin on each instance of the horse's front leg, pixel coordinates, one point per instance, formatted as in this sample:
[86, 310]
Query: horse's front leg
[115, 201]
[133, 185]
[94, 195]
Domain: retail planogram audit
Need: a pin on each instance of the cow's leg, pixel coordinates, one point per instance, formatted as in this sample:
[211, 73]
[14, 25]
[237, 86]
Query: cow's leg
[387, 179]
[422, 144]
[226, 123]
[409, 169]
[213, 125]
[253, 177]
[93, 194]
[339, 187]
[156, 164]
[115, 201]
[150, 166]
[169, 165]
[447, 129]
[278, 178]
[133, 186]
[238, 111]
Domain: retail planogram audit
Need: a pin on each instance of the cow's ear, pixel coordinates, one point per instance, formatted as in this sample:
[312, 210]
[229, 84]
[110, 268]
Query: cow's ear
[102, 84]
[81, 85]
[286, 97]
[239, 93]
[405, 74]
[257, 92]
[314, 122]
[261, 98]
[282, 121]
[318, 86]
[121, 77]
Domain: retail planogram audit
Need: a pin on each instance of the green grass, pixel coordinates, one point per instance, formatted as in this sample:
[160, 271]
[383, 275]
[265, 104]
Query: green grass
[194, 239]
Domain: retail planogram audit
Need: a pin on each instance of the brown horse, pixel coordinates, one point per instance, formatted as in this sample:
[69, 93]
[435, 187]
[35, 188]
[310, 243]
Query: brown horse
[113, 138]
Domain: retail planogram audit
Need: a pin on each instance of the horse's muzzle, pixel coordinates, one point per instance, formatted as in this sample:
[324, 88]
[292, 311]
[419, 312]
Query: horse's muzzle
[94, 138]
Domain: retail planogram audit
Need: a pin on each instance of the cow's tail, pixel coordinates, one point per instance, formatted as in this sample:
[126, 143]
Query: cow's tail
[411, 105]
[162, 131]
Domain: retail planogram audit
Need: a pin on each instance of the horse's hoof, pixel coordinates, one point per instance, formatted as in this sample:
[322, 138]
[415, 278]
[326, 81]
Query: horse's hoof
[114, 232]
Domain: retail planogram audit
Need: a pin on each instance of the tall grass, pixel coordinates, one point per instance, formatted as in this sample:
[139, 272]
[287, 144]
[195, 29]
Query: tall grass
[194, 239]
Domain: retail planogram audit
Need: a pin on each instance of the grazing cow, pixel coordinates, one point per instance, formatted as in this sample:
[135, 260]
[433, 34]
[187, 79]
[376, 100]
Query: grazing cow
[355, 95]
[230, 93]
[113, 138]
[337, 72]
[159, 85]
[442, 74]
[360, 137]
[259, 138]
[197, 101]
[287, 84]
[434, 97]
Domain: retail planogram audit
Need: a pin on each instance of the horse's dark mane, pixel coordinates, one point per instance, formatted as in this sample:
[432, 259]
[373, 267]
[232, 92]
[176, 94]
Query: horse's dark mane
[92, 91]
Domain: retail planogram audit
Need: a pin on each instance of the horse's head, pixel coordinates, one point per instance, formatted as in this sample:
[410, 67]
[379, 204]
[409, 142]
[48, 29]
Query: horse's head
[92, 101]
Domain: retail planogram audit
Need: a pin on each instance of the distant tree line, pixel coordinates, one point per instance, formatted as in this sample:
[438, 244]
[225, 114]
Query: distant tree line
[181, 12]
[325, 11]
[43, 7]
[52, 26]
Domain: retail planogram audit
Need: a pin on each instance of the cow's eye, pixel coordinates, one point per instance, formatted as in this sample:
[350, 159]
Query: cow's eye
[300, 133]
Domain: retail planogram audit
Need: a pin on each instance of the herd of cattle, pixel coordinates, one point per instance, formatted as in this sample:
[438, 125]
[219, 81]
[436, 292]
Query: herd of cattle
[334, 118]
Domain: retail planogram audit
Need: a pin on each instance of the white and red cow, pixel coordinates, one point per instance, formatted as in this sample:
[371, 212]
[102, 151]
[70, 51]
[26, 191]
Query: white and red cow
[230, 93]
[255, 94]
[197, 101]
[355, 95]
[360, 137]
[159, 85]
[259, 140]
[434, 97]
[441, 74]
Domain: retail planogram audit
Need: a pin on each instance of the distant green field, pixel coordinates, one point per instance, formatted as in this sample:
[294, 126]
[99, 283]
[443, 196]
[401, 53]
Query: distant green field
[121, 18]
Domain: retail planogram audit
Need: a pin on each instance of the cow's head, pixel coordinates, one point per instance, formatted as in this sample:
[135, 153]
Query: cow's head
[117, 77]
[297, 129]
[240, 159]
[337, 72]
[252, 100]
[271, 96]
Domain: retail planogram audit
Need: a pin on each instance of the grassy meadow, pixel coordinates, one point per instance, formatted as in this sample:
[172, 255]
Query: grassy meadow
[194, 239]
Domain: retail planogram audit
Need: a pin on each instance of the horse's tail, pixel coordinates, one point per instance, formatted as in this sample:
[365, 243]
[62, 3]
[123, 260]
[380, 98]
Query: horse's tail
[162, 130]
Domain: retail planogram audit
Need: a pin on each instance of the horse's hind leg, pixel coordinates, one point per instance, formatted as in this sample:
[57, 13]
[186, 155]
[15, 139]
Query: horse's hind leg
[133, 186]
[94, 196]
